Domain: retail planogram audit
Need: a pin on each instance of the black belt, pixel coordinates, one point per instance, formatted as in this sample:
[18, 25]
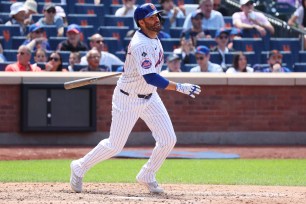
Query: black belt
[148, 96]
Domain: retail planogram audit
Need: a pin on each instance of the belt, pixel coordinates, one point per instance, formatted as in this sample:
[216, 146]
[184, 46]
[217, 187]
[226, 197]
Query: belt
[148, 96]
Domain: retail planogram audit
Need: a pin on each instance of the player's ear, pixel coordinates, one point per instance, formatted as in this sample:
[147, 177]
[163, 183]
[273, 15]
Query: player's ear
[141, 23]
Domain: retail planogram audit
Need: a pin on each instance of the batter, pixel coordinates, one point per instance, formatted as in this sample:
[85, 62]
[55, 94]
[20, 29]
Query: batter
[135, 97]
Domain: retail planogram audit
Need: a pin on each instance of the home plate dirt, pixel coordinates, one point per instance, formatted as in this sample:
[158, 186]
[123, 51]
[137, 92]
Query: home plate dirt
[134, 193]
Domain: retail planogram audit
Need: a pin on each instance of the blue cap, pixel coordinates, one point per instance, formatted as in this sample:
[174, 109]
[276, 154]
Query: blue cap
[235, 31]
[222, 30]
[196, 13]
[202, 49]
[34, 27]
[145, 11]
[74, 28]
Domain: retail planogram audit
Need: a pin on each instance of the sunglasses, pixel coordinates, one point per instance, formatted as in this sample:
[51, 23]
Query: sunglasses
[199, 58]
[38, 31]
[54, 58]
[277, 57]
[51, 11]
[21, 53]
[223, 37]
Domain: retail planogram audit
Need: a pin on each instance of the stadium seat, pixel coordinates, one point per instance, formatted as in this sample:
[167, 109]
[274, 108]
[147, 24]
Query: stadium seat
[7, 32]
[111, 20]
[180, 22]
[5, 6]
[302, 56]
[116, 32]
[126, 41]
[210, 43]
[10, 55]
[4, 17]
[188, 67]
[170, 44]
[50, 31]
[121, 55]
[84, 19]
[36, 17]
[17, 41]
[4, 64]
[176, 32]
[249, 45]
[54, 41]
[292, 45]
[215, 57]
[113, 8]
[65, 56]
[91, 9]
[253, 33]
[112, 45]
[228, 20]
[299, 67]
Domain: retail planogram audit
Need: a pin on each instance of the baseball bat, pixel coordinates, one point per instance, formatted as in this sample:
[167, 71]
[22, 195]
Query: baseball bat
[82, 82]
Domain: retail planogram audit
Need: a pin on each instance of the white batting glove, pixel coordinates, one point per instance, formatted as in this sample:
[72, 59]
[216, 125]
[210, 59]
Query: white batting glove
[189, 89]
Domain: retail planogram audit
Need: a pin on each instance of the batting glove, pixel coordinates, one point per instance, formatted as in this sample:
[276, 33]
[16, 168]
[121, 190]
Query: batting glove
[189, 89]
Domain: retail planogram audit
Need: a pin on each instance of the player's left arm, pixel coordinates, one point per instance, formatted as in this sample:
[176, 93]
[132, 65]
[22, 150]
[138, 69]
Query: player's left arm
[157, 80]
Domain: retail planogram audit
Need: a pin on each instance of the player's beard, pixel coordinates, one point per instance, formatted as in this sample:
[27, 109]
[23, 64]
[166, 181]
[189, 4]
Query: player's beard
[155, 28]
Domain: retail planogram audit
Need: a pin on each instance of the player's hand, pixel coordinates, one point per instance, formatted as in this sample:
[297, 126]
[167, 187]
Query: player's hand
[189, 89]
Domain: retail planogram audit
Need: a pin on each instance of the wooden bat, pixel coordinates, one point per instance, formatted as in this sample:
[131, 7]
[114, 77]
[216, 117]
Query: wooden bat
[82, 82]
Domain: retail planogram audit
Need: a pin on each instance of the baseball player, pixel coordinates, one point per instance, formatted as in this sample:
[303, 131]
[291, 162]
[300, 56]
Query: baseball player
[135, 97]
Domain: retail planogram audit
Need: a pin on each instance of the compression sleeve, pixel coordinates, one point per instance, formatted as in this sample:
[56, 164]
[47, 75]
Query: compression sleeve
[156, 80]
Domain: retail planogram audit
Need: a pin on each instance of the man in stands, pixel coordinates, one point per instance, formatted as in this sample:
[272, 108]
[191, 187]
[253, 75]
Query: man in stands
[23, 62]
[250, 19]
[107, 59]
[275, 60]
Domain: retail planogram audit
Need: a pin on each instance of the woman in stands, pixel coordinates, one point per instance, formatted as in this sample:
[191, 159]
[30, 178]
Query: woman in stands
[240, 64]
[55, 63]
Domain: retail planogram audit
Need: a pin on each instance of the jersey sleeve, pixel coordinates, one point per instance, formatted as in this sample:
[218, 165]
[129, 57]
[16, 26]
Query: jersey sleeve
[144, 59]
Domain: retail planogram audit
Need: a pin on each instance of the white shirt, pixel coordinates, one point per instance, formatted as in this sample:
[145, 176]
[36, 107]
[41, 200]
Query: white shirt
[299, 13]
[233, 70]
[212, 67]
[144, 56]
[215, 21]
[107, 59]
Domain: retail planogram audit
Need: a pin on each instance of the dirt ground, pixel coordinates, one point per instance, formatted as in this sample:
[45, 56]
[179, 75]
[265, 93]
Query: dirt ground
[135, 193]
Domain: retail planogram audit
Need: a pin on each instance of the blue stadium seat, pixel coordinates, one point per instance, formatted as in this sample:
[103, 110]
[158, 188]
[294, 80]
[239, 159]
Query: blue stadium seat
[4, 64]
[210, 43]
[253, 33]
[121, 55]
[251, 57]
[10, 55]
[112, 45]
[286, 44]
[170, 44]
[180, 22]
[113, 8]
[176, 32]
[111, 20]
[78, 67]
[302, 56]
[4, 17]
[188, 67]
[84, 20]
[54, 41]
[116, 32]
[8, 32]
[228, 20]
[65, 56]
[90, 9]
[288, 58]
[17, 41]
[249, 45]
[36, 17]
[126, 41]
[5, 6]
[215, 57]
[300, 67]
[50, 31]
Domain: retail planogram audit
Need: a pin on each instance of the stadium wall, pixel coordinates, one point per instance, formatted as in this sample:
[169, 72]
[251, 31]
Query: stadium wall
[237, 109]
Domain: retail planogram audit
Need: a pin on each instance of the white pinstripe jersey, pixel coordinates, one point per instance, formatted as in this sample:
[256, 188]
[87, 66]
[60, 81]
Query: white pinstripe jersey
[144, 56]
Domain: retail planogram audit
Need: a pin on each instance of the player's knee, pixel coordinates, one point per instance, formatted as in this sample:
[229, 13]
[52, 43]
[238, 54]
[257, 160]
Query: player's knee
[169, 142]
[113, 149]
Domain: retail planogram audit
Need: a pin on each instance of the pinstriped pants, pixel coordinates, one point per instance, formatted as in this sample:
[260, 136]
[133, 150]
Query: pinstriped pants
[126, 110]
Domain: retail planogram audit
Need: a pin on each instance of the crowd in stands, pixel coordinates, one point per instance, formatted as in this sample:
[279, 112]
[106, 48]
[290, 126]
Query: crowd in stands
[197, 36]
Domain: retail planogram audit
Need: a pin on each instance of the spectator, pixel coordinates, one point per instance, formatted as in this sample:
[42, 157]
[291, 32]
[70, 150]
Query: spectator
[221, 8]
[31, 6]
[55, 63]
[74, 58]
[222, 39]
[171, 11]
[36, 39]
[212, 19]
[196, 32]
[186, 50]
[235, 33]
[275, 59]
[250, 19]
[23, 61]
[240, 64]
[73, 42]
[18, 16]
[107, 59]
[204, 65]
[2, 57]
[61, 13]
[40, 56]
[50, 18]
[173, 64]
[127, 9]
[93, 58]
[298, 18]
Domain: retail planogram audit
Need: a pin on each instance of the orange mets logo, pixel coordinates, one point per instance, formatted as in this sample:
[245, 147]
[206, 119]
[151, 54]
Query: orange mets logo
[152, 6]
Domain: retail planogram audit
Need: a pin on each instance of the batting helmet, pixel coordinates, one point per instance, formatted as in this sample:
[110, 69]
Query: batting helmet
[145, 11]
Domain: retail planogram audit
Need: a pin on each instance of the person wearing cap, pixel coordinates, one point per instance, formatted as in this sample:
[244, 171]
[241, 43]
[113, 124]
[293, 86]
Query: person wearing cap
[134, 97]
[204, 65]
[222, 40]
[73, 42]
[171, 11]
[196, 32]
[93, 57]
[17, 16]
[212, 19]
[173, 64]
[23, 61]
[31, 6]
[250, 19]
[107, 59]
[50, 18]
[275, 60]
[36, 38]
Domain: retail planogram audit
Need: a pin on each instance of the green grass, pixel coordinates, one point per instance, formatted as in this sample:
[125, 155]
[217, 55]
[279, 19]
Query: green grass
[288, 172]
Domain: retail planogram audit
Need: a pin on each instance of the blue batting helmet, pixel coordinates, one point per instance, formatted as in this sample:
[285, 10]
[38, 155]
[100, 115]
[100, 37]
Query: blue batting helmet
[145, 11]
